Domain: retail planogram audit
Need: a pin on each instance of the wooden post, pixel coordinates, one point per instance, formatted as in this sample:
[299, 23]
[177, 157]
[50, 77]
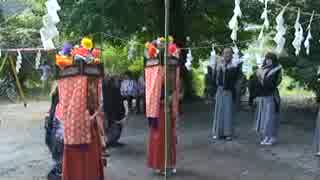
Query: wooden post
[167, 102]
[17, 81]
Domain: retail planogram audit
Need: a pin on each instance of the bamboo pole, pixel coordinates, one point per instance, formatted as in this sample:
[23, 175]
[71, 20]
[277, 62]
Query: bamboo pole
[4, 62]
[17, 82]
[167, 93]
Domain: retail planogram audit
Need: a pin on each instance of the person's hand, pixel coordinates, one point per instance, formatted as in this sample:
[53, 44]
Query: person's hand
[259, 73]
[123, 121]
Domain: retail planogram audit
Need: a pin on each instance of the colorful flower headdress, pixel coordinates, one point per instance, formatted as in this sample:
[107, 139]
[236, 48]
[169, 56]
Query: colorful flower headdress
[154, 46]
[69, 55]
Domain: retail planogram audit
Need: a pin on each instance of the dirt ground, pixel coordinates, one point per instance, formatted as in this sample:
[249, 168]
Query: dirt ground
[24, 156]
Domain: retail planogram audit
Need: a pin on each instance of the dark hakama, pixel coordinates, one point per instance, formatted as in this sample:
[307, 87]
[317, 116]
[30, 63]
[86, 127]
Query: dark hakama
[268, 104]
[223, 115]
[227, 77]
[267, 118]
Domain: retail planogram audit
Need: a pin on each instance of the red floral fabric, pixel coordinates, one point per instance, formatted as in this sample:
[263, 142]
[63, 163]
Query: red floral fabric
[73, 92]
[154, 77]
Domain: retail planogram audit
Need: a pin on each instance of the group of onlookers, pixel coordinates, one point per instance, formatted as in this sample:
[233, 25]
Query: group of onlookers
[226, 83]
[133, 89]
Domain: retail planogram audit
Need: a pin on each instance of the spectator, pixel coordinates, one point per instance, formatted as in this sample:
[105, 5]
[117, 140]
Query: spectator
[141, 94]
[129, 89]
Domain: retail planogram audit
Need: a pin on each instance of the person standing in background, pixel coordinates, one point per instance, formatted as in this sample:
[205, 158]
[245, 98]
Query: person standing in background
[141, 94]
[114, 110]
[129, 89]
[227, 76]
[268, 109]
[210, 84]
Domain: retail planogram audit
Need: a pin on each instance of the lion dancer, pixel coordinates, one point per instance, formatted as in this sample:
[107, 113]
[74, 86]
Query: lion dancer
[155, 108]
[80, 92]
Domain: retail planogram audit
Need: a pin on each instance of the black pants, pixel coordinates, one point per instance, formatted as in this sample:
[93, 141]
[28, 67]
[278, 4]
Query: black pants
[129, 99]
[114, 133]
[55, 146]
[138, 101]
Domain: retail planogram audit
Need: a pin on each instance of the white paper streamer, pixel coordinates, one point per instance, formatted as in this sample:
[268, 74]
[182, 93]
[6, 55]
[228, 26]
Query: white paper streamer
[213, 56]
[264, 16]
[259, 60]
[38, 60]
[298, 35]
[281, 31]
[236, 57]
[49, 29]
[189, 60]
[18, 62]
[309, 36]
[54, 5]
[233, 23]
[260, 37]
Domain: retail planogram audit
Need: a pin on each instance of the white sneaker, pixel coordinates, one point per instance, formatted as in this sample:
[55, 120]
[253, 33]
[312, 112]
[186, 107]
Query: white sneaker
[174, 171]
[264, 141]
[318, 154]
[271, 141]
[215, 137]
[157, 171]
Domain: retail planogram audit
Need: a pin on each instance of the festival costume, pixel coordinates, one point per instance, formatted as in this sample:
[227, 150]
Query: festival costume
[268, 103]
[80, 102]
[154, 83]
[227, 77]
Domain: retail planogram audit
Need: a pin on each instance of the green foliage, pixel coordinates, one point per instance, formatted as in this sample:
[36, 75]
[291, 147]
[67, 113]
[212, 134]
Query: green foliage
[198, 81]
[205, 21]
[115, 59]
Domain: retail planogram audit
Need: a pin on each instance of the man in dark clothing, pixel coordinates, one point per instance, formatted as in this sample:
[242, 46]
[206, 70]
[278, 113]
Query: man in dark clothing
[114, 109]
[210, 84]
[54, 143]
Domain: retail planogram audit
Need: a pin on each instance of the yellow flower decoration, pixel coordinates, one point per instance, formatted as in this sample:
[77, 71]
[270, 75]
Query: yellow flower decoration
[162, 39]
[171, 39]
[87, 43]
[147, 44]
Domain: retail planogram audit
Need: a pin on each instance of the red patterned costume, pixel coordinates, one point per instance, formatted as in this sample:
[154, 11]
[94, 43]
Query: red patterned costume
[154, 80]
[80, 102]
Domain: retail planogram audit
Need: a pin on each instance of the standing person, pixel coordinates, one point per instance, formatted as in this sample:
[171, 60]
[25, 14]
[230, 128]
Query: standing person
[80, 97]
[114, 109]
[268, 109]
[155, 112]
[227, 76]
[210, 84]
[128, 89]
[141, 94]
[54, 135]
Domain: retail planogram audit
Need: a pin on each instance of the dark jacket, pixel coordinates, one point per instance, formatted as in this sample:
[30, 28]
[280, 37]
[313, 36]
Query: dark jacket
[268, 86]
[227, 78]
[271, 81]
[112, 101]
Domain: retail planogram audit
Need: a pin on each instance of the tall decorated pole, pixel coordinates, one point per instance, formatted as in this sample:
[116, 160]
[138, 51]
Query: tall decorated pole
[168, 91]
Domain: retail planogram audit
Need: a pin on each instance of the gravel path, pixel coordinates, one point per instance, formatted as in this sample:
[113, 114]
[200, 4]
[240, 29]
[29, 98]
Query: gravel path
[23, 154]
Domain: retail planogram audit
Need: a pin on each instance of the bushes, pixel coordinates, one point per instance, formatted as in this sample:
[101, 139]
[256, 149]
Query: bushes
[115, 59]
